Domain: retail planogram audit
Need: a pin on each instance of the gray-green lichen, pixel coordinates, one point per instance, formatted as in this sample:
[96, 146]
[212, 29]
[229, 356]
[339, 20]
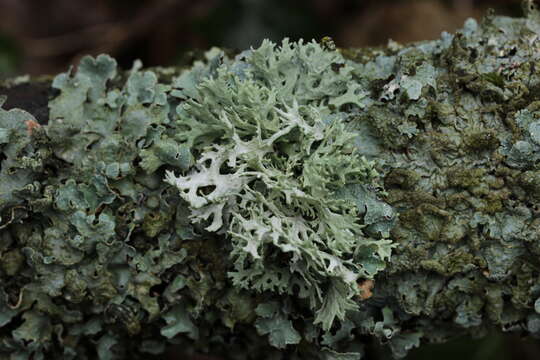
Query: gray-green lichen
[293, 200]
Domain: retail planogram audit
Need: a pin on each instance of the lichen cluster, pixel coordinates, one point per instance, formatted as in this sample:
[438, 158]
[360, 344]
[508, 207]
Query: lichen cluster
[292, 201]
[147, 211]
[461, 169]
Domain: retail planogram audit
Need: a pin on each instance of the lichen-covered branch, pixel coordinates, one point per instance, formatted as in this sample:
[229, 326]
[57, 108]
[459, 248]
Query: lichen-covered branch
[293, 200]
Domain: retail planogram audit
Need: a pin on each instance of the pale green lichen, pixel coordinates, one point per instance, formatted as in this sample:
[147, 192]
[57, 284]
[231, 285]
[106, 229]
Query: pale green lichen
[269, 172]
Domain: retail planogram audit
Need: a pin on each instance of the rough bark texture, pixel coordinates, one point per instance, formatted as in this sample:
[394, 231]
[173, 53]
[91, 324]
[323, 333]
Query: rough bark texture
[101, 258]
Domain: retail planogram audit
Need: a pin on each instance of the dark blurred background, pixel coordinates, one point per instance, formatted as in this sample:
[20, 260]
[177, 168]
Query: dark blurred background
[45, 37]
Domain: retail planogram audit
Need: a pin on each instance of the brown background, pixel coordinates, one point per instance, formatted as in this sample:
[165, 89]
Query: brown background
[45, 36]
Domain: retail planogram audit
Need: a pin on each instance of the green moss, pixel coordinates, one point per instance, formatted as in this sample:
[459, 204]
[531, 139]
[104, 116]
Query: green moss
[494, 202]
[494, 78]
[402, 178]
[481, 140]
[415, 198]
[465, 178]
[455, 262]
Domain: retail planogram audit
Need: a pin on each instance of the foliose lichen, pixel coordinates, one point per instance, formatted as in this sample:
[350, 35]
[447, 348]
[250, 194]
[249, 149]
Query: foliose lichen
[103, 239]
[270, 174]
[292, 200]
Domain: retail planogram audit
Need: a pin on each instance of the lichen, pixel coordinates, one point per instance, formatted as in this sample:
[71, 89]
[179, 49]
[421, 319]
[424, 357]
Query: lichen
[269, 172]
[291, 201]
